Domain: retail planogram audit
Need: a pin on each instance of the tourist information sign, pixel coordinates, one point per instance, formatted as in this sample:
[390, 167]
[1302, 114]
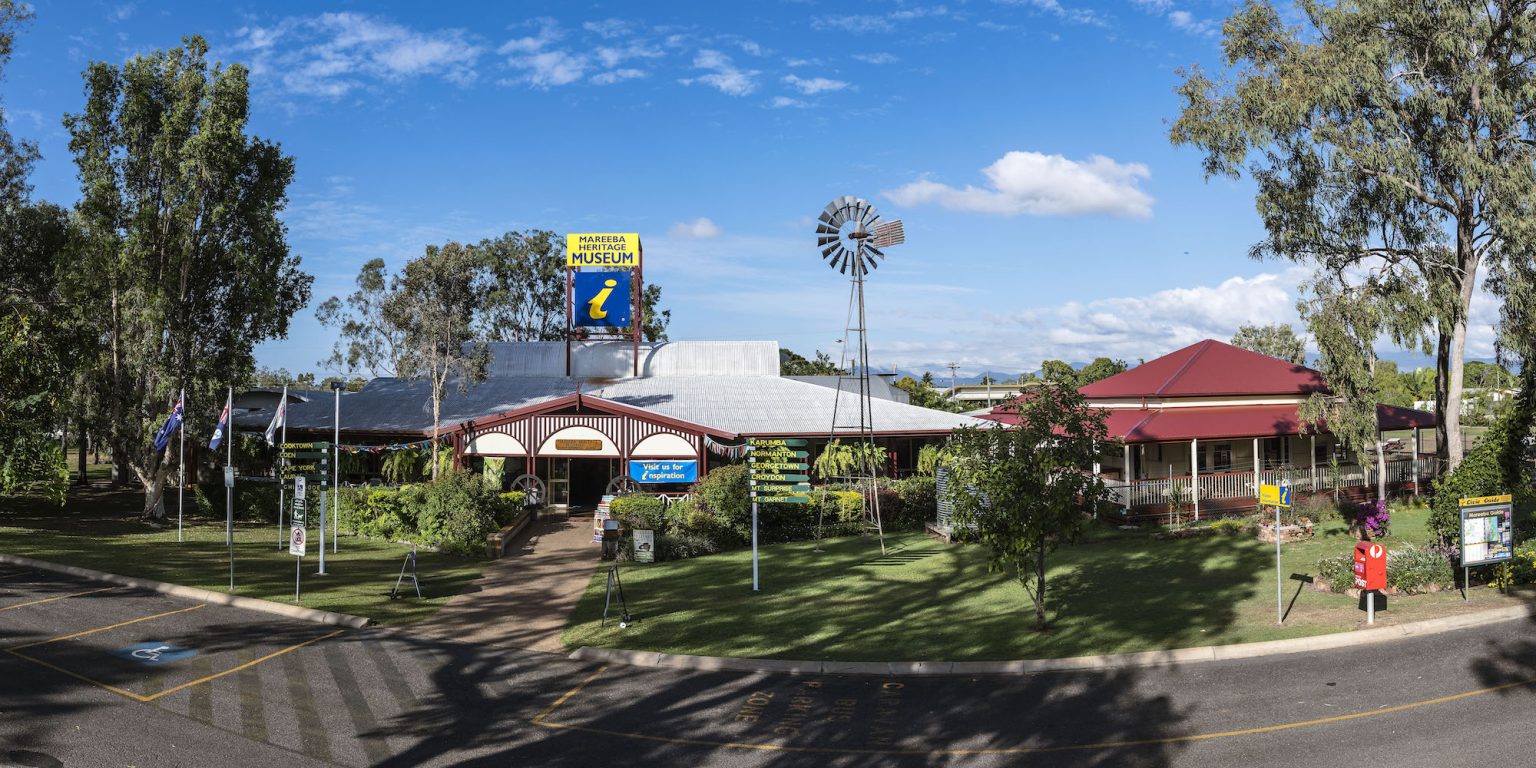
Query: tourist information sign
[778, 473]
[309, 463]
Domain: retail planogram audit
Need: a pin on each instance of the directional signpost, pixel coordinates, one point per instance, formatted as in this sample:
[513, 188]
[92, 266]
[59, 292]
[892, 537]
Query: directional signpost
[1277, 496]
[307, 463]
[779, 474]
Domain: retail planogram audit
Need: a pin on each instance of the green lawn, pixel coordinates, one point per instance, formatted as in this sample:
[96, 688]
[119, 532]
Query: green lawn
[926, 600]
[100, 529]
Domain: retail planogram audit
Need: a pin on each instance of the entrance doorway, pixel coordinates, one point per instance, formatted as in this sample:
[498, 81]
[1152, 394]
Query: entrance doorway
[578, 483]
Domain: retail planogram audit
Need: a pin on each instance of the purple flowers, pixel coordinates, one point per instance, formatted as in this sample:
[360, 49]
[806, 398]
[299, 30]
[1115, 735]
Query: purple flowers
[1373, 517]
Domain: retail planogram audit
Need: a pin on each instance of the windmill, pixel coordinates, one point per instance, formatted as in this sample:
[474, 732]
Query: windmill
[853, 238]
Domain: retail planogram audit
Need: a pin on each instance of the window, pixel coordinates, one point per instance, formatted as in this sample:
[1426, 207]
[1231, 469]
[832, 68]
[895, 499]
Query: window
[1215, 458]
[1277, 452]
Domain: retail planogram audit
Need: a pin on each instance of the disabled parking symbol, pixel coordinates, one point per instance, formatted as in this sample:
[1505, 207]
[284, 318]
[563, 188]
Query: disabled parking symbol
[154, 653]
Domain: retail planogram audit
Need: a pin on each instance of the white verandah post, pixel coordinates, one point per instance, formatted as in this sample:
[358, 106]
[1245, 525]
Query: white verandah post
[1312, 463]
[1194, 475]
[1255, 467]
[1129, 478]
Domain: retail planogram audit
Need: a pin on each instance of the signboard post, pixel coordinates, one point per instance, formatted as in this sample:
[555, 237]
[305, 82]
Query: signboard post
[1487, 533]
[778, 474]
[296, 542]
[1277, 496]
[309, 462]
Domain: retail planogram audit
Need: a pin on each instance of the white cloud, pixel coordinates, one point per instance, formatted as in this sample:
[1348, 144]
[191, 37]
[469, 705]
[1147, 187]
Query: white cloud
[1055, 8]
[811, 86]
[725, 77]
[781, 102]
[1041, 185]
[617, 76]
[609, 29]
[874, 58]
[550, 68]
[1179, 19]
[855, 23]
[334, 53]
[698, 229]
[122, 12]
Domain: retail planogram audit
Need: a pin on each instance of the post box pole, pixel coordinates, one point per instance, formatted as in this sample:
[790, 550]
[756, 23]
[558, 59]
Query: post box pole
[1370, 606]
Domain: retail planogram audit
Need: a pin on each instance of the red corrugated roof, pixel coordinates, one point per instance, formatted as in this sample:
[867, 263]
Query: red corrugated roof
[1209, 368]
[1141, 425]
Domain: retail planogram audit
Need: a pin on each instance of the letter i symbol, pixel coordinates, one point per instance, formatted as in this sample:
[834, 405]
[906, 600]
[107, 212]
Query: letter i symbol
[595, 306]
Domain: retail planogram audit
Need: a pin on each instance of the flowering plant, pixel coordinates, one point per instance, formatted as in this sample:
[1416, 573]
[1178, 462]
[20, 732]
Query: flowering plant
[1373, 518]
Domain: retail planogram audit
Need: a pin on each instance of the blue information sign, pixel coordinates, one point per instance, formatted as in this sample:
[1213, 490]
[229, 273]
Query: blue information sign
[601, 299]
[667, 471]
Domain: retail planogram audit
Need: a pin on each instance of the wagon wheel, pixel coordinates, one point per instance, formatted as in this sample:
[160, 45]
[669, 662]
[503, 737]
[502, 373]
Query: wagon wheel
[532, 488]
[621, 485]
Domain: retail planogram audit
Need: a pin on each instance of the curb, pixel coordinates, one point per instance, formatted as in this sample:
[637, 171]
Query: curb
[193, 593]
[1175, 656]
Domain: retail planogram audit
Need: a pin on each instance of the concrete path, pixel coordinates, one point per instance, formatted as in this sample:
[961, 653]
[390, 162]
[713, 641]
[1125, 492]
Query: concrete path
[523, 599]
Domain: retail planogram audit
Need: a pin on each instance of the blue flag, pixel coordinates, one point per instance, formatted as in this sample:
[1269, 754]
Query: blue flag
[163, 437]
[218, 432]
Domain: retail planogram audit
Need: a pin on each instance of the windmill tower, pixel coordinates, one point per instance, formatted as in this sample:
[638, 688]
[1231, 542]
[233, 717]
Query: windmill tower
[852, 238]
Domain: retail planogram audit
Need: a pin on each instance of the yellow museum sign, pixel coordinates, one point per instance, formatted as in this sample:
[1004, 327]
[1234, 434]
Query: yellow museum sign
[610, 249]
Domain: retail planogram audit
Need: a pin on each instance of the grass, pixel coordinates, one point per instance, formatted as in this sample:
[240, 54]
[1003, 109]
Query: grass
[100, 529]
[1120, 592]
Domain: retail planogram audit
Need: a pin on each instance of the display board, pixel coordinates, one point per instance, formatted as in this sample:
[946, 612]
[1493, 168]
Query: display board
[1487, 530]
[779, 470]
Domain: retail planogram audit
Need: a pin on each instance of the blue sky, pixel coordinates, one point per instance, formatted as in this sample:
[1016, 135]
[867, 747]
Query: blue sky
[1024, 144]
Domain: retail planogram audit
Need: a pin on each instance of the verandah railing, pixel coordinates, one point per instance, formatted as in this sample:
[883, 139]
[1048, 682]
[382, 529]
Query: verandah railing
[1237, 485]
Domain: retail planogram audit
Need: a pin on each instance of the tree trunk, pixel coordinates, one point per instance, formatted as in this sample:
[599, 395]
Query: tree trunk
[1452, 354]
[437, 404]
[154, 489]
[1040, 586]
[80, 459]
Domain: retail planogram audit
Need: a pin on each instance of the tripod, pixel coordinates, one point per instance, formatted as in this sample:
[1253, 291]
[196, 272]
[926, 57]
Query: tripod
[625, 617]
[408, 565]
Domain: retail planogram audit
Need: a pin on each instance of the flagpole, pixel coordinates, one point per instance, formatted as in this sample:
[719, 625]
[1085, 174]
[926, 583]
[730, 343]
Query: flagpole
[229, 487]
[181, 467]
[335, 479]
[281, 490]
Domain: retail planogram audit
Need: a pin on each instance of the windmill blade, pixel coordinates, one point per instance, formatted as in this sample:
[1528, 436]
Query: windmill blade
[826, 229]
[830, 212]
[870, 249]
[821, 242]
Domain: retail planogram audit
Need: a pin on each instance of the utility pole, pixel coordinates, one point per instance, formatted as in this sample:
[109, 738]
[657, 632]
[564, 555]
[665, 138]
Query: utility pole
[953, 367]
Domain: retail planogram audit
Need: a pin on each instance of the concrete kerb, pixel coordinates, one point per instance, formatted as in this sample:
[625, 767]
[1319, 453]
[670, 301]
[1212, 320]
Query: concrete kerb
[193, 593]
[1176, 656]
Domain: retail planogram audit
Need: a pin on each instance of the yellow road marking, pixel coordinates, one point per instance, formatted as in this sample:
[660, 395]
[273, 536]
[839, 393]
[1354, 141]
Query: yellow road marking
[540, 721]
[246, 665]
[16, 651]
[103, 629]
[568, 695]
[51, 599]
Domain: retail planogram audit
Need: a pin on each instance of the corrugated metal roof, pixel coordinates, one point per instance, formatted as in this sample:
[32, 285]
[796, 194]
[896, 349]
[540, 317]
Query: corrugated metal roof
[1208, 368]
[734, 387]
[615, 359]
[879, 386]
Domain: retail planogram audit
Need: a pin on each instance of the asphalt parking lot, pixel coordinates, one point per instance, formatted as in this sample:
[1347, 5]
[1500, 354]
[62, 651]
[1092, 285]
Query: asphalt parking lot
[93, 674]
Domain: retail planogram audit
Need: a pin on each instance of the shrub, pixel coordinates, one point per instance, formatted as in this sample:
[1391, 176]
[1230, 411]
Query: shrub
[458, 513]
[1232, 526]
[1414, 569]
[1322, 508]
[1497, 465]
[509, 506]
[1338, 571]
[1374, 518]
[724, 493]
[919, 501]
[681, 545]
[640, 511]
[1524, 563]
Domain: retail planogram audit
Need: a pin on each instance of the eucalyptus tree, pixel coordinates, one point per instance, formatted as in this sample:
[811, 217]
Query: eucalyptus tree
[367, 343]
[185, 265]
[432, 304]
[1276, 340]
[1391, 144]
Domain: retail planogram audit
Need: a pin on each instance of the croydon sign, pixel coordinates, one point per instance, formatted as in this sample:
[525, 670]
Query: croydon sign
[611, 249]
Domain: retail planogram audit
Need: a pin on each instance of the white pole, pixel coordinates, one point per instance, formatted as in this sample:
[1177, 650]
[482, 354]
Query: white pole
[750, 451]
[1255, 467]
[281, 490]
[1370, 606]
[229, 491]
[1194, 476]
[335, 480]
[181, 467]
[1279, 584]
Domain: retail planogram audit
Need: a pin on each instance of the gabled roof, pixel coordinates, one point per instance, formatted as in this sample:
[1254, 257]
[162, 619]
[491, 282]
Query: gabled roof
[1209, 368]
[1226, 422]
[603, 360]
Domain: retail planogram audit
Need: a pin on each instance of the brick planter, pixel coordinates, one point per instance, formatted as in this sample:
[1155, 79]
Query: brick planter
[1287, 532]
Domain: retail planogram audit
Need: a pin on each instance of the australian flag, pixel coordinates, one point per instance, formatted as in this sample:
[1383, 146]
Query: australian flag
[163, 437]
[218, 432]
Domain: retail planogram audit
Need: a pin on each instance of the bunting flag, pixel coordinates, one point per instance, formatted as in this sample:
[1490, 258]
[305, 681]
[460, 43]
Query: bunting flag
[278, 419]
[218, 432]
[163, 437]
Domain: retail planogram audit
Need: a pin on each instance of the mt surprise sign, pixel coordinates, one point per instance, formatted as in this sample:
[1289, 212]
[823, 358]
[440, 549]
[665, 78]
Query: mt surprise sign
[621, 249]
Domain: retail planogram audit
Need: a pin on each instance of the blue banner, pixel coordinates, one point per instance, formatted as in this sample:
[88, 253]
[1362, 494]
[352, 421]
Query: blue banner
[601, 299]
[669, 471]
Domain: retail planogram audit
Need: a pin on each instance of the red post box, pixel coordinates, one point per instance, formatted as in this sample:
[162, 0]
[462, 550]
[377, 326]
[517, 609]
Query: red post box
[1370, 566]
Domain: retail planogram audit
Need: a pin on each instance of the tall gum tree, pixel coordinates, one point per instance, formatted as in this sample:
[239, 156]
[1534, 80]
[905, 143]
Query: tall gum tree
[1391, 143]
[186, 265]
